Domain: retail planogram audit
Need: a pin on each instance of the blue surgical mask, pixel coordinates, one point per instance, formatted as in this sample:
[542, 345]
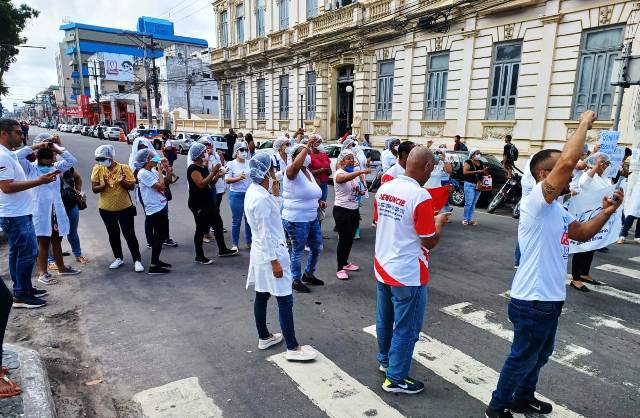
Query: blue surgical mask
[45, 169]
[349, 169]
[156, 159]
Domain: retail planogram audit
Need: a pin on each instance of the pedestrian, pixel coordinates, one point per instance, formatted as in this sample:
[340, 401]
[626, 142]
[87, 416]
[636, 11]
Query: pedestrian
[25, 132]
[458, 145]
[16, 216]
[152, 192]
[170, 152]
[366, 142]
[441, 169]
[301, 201]
[212, 158]
[320, 165]
[113, 181]
[406, 229]
[169, 179]
[230, 138]
[251, 146]
[397, 169]
[390, 153]
[346, 212]
[509, 155]
[238, 179]
[473, 171]
[591, 180]
[361, 163]
[49, 215]
[269, 264]
[201, 203]
[100, 132]
[632, 214]
[538, 290]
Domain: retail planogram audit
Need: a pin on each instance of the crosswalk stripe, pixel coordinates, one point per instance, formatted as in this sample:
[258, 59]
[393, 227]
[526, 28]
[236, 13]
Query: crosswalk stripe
[333, 390]
[179, 399]
[616, 293]
[612, 322]
[454, 366]
[634, 274]
[567, 354]
[636, 259]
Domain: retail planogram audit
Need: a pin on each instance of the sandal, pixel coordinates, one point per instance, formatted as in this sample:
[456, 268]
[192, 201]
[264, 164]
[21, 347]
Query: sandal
[11, 389]
[590, 280]
[473, 223]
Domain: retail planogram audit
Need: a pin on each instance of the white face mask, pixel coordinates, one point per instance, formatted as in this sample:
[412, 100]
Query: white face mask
[320, 148]
[395, 148]
[105, 163]
[477, 156]
[287, 149]
[242, 154]
[270, 185]
[307, 161]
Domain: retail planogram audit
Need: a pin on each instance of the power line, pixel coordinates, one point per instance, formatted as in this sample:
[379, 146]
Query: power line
[170, 9]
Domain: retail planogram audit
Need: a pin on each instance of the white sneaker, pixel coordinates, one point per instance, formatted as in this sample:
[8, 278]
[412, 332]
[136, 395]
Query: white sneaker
[116, 263]
[269, 342]
[138, 267]
[234, 248]
[636, 240]
[305, 353]
[621, 240]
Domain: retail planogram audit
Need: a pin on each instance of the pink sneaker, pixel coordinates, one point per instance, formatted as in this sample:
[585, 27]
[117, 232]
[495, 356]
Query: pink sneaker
[352, 267]
[342, 275]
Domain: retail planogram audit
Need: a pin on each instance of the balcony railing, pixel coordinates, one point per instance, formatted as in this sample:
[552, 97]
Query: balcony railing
[378, 9]
[336, 19]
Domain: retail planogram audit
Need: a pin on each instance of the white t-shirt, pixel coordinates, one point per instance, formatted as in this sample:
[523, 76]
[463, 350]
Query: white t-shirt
[436, 176]
[13, 204]
[543, 235]
[393, 172]
[301, 197]
[347, 193]
[234, 169]
[214, 159]
[153, 200]
[404, 213]
[388, 159]
[279, 164]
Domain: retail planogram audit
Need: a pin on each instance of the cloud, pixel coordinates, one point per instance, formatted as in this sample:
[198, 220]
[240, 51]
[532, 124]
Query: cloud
[35, 69]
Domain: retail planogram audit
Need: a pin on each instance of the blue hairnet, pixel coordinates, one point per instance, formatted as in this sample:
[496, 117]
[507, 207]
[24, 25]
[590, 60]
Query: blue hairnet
[237, 146]
[259, 166]
[105, 151]
[348, 142]
[44, 136]
[141, 157]
[196, 150]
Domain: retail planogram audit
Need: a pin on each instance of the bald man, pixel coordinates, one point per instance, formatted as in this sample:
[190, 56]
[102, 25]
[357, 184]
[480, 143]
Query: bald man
[406, 229]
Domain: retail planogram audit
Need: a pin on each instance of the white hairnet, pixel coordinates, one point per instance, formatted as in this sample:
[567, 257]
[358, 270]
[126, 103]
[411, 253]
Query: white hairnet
[134, 148]
[237, 146]
[304, 141]
[196, 150]
[259, 166]
[348, 142]
[141, 157]
[473, 151]
[292, 150]
[44, 136]
[278, 142]
[593, 158]
[316, 136]
[389, 141]
[344, 154]
[105, 151]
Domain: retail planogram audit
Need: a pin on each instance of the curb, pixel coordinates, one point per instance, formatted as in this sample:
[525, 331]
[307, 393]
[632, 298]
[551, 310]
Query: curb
[37, 399]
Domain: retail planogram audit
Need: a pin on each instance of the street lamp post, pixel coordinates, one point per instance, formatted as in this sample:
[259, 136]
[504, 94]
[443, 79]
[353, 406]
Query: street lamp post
[349, 90]
[301, 111]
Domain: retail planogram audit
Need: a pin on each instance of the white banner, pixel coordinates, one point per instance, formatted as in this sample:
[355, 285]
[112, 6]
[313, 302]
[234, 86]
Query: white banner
[586, 206]
[118, 67]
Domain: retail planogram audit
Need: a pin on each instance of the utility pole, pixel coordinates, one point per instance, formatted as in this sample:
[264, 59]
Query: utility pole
[189, 83]
[147, 87]
[154, 79]
[95, 76]
[623, 82]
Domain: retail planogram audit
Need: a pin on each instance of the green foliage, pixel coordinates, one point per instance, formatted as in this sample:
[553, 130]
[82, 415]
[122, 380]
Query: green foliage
[12, 22]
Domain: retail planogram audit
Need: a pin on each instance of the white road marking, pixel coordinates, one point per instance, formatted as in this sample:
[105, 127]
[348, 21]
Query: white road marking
[636, 259]
[473, 377]
[620, 294]
[634, 274]
[567, 354]
[180, 399]
[612, 322]
[333, 390]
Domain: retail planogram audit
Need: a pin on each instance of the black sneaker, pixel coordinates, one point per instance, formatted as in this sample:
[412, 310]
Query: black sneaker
[203, 260]
[161, 263]
[228, 253]
[409, 386]
[492, 413]
[312, 280]
[534, 406]
[38, 292]
[170, 243]
[158, 270]
[28, 302]
[298, 286]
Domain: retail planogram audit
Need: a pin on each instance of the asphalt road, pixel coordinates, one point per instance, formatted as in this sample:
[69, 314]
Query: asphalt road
[148, 331]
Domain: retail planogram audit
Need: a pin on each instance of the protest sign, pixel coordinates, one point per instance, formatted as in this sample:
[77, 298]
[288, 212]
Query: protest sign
[609, 141]
[586, 206]
[616, 162]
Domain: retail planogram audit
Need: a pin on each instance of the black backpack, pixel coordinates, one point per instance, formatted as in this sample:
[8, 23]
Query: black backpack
[513, 153]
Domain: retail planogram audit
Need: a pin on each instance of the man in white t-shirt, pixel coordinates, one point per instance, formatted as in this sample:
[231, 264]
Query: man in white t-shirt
[397, 169]
[406, 231]
[16, 208]
[538, 290]
[152, 188]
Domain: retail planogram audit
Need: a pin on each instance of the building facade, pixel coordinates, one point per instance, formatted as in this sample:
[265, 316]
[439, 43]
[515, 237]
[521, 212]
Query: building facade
[423, 69]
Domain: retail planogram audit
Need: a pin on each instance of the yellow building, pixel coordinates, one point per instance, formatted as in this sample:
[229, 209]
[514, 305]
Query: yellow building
[422, 69]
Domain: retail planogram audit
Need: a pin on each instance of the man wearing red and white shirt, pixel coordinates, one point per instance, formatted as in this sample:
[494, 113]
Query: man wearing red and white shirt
[397, 169]
[406, 230]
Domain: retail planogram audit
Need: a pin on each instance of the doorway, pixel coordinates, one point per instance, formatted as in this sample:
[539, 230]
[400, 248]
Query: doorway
[344, 102]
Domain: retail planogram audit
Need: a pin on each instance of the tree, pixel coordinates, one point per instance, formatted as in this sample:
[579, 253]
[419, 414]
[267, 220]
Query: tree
[12, 22]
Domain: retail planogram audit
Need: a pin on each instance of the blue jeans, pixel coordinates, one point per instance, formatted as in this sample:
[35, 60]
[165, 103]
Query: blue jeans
[23, 250]
[627, 224]
[447, 206]
[534, 333]
[471, 196]
[301, 234]
[236, 202]
[399, 318]
[285, 315]
[325, 191]
[517, 254]
[74, 239]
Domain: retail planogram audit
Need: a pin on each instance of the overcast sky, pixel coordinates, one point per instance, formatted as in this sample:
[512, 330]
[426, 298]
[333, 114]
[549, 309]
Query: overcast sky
[35, 69]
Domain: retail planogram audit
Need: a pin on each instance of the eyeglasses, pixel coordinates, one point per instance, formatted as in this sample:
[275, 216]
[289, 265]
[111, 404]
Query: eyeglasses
[243, 149]
[99, 159]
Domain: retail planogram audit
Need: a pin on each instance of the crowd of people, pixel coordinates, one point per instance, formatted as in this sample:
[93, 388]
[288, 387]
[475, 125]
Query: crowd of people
[282, 199]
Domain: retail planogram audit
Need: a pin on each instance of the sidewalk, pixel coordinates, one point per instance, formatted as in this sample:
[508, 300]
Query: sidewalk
[27, 370]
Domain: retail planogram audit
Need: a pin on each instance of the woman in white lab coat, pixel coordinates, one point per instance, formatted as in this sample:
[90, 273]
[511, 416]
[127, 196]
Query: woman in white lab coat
[632, 212]
[50, 219]
[269, 265]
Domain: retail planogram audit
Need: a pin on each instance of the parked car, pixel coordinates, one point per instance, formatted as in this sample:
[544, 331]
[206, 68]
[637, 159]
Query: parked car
[44, 125]
[112, 133]
[76, 129]
[135, 132]
[219, 141]
[333, 150]
[94, 132]
[265, 146]
[183, 141]
[85, 130]
[497, 171]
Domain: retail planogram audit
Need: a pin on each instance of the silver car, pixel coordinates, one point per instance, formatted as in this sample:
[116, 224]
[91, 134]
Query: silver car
[183, 140]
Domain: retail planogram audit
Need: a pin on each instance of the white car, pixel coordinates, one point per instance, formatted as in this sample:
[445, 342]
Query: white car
[113, 133]
[134, 133]
[76, 129]
[372, 154]
[183, 140]
[265, 146]
[218, 140]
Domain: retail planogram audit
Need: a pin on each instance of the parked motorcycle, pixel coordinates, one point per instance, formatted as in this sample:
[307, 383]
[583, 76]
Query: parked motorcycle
[516, 210]
[511, 191]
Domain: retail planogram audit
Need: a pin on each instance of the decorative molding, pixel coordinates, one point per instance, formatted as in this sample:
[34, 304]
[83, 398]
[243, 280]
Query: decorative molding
[508, 31]
[470, 33]
[283, 125]
[382, 127]
[432, 128]
[262, 125]
[556, 18]
[242, 124]
[593, 135]
[605, 15]
[438, 43]
[497, 129]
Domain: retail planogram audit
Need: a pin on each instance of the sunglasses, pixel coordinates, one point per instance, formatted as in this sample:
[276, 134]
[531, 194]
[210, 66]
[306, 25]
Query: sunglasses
[99, 159]
[243, 149]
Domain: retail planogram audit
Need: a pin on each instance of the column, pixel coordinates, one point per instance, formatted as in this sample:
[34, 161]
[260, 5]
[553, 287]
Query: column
[407, 76]
[469, 44]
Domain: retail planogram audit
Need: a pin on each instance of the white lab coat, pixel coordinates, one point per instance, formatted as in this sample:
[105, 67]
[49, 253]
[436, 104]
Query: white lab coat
[47, 196]
[268, 243]
[633, 207]
[388, 159]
